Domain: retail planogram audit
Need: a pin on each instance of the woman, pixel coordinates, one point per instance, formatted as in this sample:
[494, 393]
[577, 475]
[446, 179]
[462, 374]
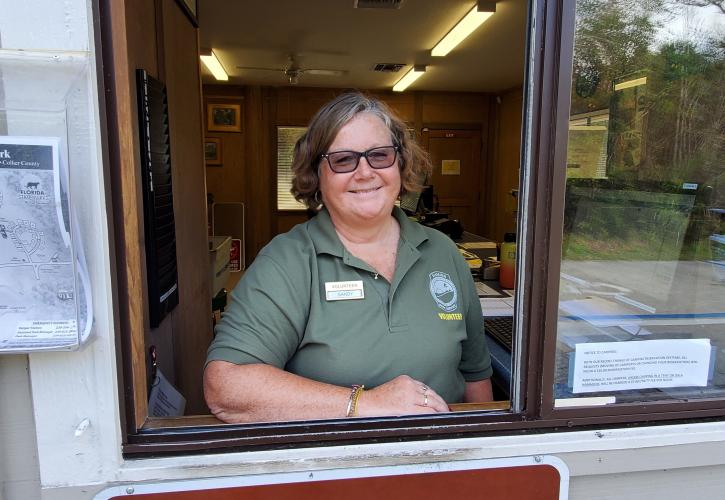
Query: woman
[359, 311]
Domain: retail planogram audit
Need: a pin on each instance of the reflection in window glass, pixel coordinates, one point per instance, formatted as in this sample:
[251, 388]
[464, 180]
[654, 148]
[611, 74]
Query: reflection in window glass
[642, 290]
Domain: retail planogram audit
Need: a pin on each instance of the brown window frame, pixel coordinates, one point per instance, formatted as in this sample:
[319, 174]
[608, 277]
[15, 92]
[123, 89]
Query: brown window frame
[546, 105]
[557, 144]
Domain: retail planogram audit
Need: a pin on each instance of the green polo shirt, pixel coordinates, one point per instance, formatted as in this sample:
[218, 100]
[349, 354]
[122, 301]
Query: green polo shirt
[426, 324]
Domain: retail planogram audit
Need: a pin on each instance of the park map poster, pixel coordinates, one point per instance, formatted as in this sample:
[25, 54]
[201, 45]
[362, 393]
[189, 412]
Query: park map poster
[38, 292]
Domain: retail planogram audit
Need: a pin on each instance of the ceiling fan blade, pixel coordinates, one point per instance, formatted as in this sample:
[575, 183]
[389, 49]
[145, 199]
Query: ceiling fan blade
[325, 72]
[259, 69]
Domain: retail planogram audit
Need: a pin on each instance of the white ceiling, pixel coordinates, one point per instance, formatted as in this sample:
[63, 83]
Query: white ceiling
[331, 34]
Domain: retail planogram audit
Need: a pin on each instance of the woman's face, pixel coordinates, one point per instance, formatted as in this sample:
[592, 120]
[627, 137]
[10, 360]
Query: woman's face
[365, 194]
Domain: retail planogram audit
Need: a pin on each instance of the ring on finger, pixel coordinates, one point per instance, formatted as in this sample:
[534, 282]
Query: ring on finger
[425, 388]
[425, 400]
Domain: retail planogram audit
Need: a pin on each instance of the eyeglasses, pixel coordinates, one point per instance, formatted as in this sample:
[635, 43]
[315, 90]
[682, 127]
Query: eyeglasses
[344, 162]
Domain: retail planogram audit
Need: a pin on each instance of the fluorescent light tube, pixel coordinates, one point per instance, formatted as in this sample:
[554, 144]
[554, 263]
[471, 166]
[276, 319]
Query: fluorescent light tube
[212, 64]
[409, 78]
[466, 26]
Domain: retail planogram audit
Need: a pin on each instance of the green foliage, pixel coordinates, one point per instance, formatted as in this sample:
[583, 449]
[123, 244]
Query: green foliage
[662, 132]
[611, 40]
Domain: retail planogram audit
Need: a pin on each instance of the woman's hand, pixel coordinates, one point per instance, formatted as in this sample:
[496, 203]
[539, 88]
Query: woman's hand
[401, 396]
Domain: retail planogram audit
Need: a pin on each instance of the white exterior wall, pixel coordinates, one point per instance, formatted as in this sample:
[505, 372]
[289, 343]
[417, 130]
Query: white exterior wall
[19, 474]
[49, 395]
[59, 414]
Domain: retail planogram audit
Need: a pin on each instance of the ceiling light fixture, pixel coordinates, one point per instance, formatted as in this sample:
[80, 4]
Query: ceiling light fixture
[409, 78]
[475, 18]
[631, 83]
[209, 58]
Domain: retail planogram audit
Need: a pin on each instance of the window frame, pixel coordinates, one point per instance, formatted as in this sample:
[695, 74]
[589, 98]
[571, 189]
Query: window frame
[547, 86]
[634, 412]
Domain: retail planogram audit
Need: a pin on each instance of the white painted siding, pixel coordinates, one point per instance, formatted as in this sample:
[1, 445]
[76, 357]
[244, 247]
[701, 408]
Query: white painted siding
[19, 474]
[49, 394]
[45, 25]
[44, 397]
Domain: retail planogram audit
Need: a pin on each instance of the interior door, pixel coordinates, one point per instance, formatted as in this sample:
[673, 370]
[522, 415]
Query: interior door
[456, 157]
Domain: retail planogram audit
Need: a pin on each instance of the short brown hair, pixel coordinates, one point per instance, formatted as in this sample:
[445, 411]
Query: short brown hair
[413, 162]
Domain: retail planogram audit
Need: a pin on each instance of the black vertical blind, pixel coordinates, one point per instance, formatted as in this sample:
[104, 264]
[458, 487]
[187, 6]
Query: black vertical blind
[159, 224]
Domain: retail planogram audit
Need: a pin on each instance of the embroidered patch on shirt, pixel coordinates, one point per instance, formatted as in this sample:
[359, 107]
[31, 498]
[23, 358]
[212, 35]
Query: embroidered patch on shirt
[443, 291]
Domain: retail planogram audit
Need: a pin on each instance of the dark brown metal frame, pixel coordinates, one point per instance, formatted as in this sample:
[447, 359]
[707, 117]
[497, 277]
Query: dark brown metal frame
[546, 106]
[556, 168]
[548, 172]
[233, 438]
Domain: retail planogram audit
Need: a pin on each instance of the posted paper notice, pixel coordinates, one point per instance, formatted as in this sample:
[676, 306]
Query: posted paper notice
[619, 366]
[164, 399]
[39, 298]
[451, 167]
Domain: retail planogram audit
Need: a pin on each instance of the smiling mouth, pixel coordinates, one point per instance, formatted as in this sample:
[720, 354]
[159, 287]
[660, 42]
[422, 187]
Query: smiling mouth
[364, 191]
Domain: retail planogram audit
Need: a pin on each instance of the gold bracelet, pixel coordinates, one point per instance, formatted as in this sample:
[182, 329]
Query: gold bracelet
[354, 396]
[355, 399]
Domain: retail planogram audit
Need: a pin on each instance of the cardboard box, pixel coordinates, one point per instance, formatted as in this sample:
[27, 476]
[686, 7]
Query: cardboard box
[219, 261]
[491, 269]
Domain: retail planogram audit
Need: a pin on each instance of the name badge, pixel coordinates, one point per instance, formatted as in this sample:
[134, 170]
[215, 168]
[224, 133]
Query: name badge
[344, 290]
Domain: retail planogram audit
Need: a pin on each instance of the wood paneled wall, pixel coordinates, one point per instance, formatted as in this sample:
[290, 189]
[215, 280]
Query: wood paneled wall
[227, 179]
[157, 37]
[190, 322]
[248, 170]
[505, 160]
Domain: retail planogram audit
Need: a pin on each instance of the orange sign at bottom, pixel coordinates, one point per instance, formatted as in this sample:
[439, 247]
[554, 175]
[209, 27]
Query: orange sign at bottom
[521, 478]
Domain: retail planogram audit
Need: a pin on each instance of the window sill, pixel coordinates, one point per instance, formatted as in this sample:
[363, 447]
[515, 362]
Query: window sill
[588, 452]
[211, 420]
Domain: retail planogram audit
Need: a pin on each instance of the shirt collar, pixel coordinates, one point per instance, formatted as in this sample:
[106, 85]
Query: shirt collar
[326, 240]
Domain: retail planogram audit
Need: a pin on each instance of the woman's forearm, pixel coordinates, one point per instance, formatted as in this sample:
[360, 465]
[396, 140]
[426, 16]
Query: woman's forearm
[478, 392]
[259, 392]
[264, 393]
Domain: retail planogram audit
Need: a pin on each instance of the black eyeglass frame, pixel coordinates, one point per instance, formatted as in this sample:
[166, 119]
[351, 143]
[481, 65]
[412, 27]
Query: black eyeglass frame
[358, 155]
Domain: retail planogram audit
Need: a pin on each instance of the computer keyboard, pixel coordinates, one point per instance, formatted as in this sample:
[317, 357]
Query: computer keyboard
[501, 329]
[481, 288]
[485, 289]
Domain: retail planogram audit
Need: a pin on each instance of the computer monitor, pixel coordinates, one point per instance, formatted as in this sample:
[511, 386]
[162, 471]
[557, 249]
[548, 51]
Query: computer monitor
[417, 202]
[409, 202]
[427, 199]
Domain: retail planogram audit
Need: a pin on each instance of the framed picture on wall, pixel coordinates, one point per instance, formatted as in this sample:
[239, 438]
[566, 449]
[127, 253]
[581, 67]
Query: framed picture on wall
[212, 151]
[223, 117]
[191, 9]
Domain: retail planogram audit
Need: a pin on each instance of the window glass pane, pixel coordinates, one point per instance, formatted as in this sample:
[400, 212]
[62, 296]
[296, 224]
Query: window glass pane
[286, 139]
[642, 290]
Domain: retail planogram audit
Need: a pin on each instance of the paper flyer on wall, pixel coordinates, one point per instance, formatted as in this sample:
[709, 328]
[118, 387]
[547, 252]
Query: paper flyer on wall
[44, 304]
